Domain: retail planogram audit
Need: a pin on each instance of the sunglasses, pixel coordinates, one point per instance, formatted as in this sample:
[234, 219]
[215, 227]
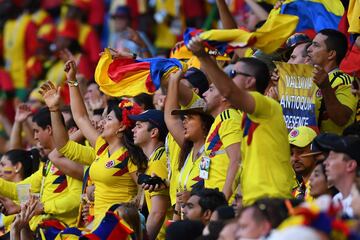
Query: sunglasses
[233, 74]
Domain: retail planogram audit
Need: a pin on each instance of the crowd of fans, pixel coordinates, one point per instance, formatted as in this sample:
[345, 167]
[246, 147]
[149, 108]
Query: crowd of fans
[207, 156]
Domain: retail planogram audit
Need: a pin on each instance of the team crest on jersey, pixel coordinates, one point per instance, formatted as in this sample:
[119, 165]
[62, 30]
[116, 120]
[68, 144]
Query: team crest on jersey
[110, 164]
[318, 93]
[53, 169]
[294, 133]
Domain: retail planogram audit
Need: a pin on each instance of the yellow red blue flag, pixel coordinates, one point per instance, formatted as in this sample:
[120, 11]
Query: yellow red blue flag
[314, 14]
[267, 38]
[129, 77]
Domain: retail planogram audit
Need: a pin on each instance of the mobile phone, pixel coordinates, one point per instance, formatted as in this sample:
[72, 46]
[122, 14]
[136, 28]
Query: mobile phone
[144, 178]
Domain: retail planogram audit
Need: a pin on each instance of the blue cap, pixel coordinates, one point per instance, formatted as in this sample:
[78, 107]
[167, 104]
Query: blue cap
[155, 117]
[122, 11]
[297, 39]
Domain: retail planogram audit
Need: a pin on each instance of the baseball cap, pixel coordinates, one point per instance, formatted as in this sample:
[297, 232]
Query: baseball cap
[296, 39]
[198, 107]
[197, 79]
[349, 145]
[121, 11]
[155, 117]
[301, 136]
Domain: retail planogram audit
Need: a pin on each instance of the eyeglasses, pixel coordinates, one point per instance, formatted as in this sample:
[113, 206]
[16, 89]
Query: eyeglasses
[233, 74]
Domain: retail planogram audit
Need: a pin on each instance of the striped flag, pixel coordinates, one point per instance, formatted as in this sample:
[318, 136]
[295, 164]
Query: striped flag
[129, 77]
[267, 38]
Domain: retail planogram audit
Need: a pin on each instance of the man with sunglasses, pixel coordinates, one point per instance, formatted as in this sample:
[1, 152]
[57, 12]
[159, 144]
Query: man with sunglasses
[302, 159]
[265, 167]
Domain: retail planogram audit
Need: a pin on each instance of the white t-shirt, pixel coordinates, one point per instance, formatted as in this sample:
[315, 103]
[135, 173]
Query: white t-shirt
[345, 203]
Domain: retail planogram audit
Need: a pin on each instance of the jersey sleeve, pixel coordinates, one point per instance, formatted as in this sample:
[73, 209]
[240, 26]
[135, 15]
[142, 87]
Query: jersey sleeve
[345, 97]
[8, 189]
[159, 167]
[264, 106]
[230, 131]
[78, 153]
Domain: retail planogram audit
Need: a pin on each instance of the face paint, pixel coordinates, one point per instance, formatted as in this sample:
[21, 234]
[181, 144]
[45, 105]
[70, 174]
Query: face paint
[7, 170]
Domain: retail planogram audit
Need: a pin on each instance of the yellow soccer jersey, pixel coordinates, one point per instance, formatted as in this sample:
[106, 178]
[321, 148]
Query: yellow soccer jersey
[265, 168]
[158, 165]
[59, 194]
[341, 83]
[78, 153]
[111, 177]
[189, 177]
[172, 155]
[224, 132]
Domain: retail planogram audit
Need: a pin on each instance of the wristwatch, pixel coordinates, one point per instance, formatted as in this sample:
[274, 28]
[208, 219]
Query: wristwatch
[73, 83]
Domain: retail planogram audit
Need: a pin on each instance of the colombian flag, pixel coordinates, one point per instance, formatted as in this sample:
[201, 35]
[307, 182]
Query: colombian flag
[314, 14]
[129, 77]
[112, 227]
[267, 38]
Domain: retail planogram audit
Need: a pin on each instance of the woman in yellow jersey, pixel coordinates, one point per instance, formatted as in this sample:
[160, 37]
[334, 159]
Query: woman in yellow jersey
[190, 133]
[114, 166]
[15, 166]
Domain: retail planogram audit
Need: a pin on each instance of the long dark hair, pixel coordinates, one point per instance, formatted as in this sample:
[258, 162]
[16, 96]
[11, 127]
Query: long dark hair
[206, 122]
[29, 160]
[136, 154]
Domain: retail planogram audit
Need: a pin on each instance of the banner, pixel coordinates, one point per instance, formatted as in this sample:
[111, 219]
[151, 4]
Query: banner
[297, 94]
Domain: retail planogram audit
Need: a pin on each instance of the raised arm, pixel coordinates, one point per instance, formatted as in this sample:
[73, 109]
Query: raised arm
[51, 96]
[173, 122]
[76, 101]
[226, 17]
[257, 9]
[22, 113]
[239, 98]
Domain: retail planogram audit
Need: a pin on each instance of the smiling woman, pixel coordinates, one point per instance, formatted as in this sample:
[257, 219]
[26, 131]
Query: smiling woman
[115, 160]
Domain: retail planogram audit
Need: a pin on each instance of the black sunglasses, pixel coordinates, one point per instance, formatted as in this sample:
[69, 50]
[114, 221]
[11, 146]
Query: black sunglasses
[233, 74]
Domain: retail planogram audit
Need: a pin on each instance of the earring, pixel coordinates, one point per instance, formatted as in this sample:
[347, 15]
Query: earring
[118, 133]
[16, 170]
